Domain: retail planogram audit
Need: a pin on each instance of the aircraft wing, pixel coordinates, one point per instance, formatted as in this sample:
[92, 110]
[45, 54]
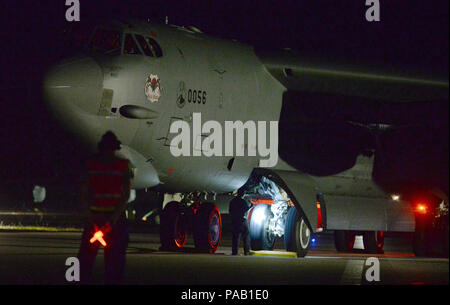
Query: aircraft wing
[334, 112]
[314, 75]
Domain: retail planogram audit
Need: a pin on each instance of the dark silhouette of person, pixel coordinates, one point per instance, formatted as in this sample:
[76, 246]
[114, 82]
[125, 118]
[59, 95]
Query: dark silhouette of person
[238, 210]
[105, 192]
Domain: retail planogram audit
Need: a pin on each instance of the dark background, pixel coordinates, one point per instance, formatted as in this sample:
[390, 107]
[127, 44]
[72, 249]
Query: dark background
[411, 36]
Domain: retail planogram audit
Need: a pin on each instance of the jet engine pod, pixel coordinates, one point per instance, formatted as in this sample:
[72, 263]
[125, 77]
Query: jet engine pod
[137, 112]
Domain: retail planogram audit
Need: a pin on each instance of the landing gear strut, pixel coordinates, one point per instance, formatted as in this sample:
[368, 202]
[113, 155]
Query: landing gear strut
[344, 240]
[373, 241]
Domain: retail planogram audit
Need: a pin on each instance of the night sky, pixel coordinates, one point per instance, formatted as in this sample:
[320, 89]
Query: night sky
[411, 36]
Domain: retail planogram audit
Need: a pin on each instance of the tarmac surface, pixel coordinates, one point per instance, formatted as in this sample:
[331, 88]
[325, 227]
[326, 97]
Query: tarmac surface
[40, 258]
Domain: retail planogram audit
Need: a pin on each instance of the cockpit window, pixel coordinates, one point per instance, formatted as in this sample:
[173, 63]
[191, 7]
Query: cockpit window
[149, 46]
[156, 49]
[106, 41]
[130, 46]
[144, 46]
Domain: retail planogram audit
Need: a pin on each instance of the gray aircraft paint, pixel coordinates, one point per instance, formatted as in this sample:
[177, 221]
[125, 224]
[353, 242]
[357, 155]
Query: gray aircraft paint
[239, 85]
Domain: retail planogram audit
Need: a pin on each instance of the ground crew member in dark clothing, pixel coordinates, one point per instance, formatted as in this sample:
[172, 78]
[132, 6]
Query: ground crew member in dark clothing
[238, 210]
[105, 192]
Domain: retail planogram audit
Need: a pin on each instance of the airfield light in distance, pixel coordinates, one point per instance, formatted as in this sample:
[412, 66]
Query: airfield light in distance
[421, 208]
[395, 197]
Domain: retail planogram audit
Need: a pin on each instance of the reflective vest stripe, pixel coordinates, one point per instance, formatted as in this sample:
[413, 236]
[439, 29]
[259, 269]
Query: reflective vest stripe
[106, 173]
[102, 209]
[107, 195]
[106, 182]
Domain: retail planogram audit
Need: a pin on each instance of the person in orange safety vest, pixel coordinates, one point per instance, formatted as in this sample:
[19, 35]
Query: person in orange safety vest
[105, 192]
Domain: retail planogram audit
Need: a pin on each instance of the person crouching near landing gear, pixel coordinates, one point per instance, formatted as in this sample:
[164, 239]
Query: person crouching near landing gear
[105, 192]
[238, 210]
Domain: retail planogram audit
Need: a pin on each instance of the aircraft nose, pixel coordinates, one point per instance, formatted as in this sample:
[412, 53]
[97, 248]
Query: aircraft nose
[77, 82]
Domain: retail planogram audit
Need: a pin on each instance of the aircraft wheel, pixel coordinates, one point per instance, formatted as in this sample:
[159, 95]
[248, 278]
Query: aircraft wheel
[207, 227]
[423, 235]
[373, 241]
[297, 235]
[172, 227]
[344, 240]
[421, 241]
[445, 240]
[260, 236]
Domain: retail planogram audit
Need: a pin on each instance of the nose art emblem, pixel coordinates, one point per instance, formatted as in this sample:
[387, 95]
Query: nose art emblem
[153, 88]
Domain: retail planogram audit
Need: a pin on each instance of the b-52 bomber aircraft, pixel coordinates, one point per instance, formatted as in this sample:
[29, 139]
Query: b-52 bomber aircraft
[199, 117]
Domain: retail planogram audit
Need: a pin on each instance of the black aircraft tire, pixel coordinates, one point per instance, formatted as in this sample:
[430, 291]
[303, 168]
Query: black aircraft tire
[344, 240]
[260, 237]
[373, 241]
[172, 227]
[420, 242]
[445, 238]
[207, 227]
[297, 235]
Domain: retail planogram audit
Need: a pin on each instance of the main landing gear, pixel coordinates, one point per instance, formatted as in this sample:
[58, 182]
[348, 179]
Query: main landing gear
[373, 241]
[265, 226]
[202, 218]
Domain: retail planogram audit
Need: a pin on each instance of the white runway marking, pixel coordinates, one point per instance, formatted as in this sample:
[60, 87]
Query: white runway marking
[353, 272]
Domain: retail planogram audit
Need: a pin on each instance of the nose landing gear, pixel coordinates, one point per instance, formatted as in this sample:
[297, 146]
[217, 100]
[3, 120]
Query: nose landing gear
[207, 227]
[173, 226]
[203, 218]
